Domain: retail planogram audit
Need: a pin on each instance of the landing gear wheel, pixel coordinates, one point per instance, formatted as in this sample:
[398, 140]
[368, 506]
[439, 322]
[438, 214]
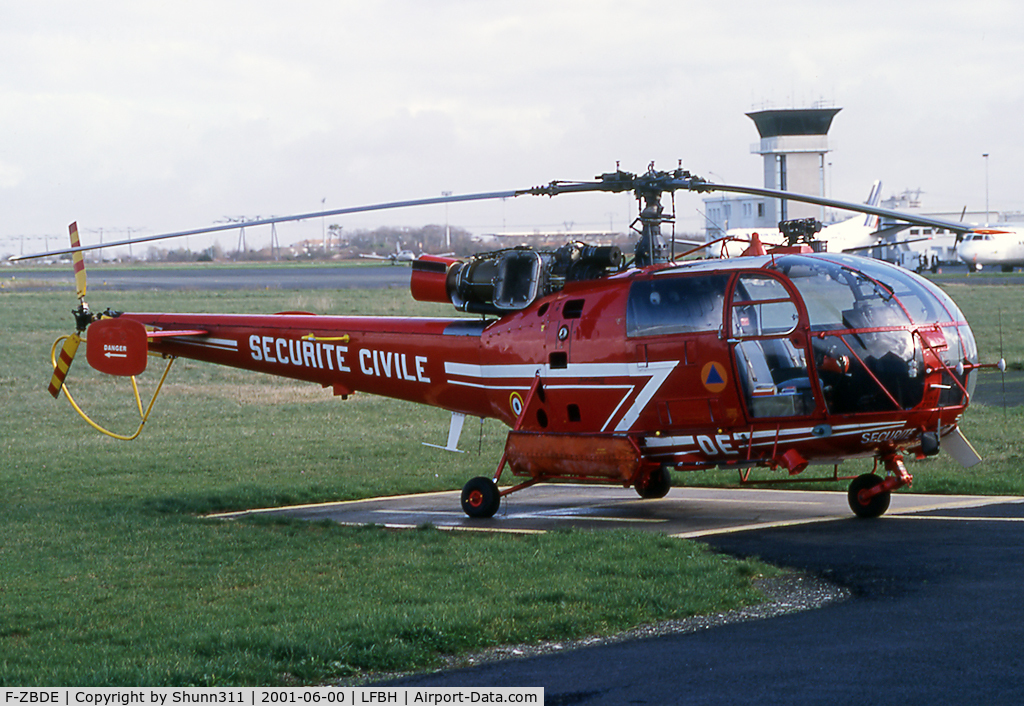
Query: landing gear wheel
[657, 485]
[480, 497]
[876, 505]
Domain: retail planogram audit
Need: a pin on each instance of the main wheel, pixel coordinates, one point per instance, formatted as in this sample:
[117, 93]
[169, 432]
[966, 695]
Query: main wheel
[480, 497]
[876, 505]
[657, 485]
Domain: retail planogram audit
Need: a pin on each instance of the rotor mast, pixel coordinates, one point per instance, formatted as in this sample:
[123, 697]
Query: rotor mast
[650, 246]
[648, 188]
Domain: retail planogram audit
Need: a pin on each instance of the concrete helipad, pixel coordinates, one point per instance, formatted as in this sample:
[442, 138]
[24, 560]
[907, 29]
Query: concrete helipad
[685, 512]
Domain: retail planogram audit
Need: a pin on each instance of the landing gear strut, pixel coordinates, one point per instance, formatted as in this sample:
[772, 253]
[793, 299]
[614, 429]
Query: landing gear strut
[870, 494]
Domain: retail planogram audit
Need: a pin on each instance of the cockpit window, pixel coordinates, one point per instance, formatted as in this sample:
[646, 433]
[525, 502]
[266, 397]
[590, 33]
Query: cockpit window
[871, 321]
[916, 295]
[761, 306]
[771, 368]
[839, 297]
[664, 305]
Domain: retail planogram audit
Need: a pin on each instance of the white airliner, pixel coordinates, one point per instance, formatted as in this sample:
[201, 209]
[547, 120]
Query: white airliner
[993, 246]
[978, 246]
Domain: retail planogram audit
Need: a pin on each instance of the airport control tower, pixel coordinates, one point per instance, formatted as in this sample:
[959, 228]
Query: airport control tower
[793, 144]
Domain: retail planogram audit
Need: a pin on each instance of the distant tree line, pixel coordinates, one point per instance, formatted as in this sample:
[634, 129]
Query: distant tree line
[339, 244]
[430, 239]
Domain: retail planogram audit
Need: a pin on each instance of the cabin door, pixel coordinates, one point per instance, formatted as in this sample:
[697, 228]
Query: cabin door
[769, 349]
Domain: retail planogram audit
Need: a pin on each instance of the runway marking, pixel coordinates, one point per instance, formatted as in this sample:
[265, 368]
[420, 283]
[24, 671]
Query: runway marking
[828, 507]
[332, 503]
[893, 514]
[449, 528]
[522, 515]
[734, 501]
[695, 534]
[584, 516]
[951, 518]
[447, 513]
[964, 504]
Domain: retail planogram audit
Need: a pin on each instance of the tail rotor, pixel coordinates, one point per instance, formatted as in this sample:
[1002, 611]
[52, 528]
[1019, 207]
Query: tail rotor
[63, 362]
[83, 317]
[78, 260]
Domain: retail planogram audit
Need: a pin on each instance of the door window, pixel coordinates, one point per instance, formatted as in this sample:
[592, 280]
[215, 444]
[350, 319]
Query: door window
[664, 305]
[772, 368]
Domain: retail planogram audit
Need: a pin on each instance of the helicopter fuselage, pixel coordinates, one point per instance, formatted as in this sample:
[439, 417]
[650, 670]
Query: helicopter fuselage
[776, 361]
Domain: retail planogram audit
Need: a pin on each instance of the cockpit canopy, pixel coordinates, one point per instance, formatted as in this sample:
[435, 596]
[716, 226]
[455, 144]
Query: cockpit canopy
[885, 316]
[869, 325]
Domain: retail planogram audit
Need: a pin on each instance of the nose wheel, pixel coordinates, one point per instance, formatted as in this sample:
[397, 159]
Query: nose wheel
[870, 494]
[867, 499]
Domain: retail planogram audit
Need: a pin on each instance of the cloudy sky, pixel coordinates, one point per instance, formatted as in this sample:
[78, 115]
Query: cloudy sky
[157, 116]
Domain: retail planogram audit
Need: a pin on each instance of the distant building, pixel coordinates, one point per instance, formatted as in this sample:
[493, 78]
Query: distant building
[794, 142]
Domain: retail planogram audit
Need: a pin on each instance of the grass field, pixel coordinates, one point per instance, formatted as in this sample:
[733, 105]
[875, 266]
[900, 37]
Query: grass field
[109, 577]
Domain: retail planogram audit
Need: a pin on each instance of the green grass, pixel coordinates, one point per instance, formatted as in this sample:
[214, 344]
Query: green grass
[996, 314]
[110, 578]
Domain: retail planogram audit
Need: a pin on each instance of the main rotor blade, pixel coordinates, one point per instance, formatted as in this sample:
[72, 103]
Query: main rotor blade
[617, 182]
[885, 244]
[914, 219]
[282, 219]
[657, 182]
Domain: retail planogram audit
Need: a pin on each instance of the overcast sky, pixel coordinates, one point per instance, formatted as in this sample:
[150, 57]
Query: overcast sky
[159, 116]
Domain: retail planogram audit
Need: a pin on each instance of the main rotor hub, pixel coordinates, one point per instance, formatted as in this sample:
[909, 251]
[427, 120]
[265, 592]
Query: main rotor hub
[648, 189]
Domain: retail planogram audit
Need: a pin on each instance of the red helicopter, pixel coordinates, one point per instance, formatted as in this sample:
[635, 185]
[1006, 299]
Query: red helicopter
[615, 372]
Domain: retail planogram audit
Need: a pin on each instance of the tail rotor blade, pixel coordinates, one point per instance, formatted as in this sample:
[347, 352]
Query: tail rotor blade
[78, 260]
[63, 363]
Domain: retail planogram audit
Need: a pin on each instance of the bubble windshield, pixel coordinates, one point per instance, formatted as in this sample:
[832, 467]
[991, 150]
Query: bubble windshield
[872, 320]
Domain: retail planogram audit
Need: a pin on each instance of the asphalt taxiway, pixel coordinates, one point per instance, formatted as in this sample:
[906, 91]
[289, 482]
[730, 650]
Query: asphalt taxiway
[936, 590]
[934, 618]
[683, 513]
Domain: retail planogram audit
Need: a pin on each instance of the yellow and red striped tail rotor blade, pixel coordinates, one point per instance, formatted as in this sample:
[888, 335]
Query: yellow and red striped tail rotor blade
[60, 370]
[78, 260]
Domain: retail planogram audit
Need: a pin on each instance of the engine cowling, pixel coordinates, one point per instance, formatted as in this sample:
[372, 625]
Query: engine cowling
[508, 280]
[429, 282]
